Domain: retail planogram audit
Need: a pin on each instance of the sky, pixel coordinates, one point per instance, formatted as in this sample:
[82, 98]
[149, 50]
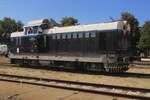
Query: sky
[86, 11]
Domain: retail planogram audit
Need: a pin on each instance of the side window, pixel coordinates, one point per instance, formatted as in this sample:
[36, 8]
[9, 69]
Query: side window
[80, 35]
[74, 35]
[30, 30]
[35, 30]
[93, 34]
[58, 36]
[53, 36]
[63, 36]
[87, 35]
[69, 35]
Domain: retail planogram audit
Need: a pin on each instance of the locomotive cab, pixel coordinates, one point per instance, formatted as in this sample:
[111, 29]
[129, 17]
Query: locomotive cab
[32, 39]
[37, 27]
[32, 30]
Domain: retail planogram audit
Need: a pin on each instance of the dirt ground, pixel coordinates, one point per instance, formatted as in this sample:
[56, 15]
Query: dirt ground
[140, 69]
[16, 91]
[103, 79]
[4, 60]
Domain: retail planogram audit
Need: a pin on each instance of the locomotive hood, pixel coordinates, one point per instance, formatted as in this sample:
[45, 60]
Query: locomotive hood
[117, 25]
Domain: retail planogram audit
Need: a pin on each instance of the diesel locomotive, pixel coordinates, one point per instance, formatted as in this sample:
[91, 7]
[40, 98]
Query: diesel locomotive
[94, 47]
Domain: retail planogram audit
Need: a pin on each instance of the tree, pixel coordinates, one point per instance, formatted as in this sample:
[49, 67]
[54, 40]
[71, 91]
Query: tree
[7, 26]
[1, 29]
[19, 26]
[53, 23]
[144, 43]
[69, 21]
[10, 25]
[134, 34]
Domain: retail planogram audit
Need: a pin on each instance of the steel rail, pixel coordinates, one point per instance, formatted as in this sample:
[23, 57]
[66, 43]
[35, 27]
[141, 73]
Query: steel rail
[80, 86]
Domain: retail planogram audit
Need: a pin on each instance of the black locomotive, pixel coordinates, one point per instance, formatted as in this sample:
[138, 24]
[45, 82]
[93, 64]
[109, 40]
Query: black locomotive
[98, 47]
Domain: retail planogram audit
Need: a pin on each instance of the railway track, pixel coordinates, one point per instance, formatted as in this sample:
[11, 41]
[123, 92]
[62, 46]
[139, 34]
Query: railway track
[119, 91]
[145, 64]
[125, 74]
[129, 74]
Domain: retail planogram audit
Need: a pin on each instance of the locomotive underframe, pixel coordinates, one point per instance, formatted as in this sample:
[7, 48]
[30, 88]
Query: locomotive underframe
[97, 63]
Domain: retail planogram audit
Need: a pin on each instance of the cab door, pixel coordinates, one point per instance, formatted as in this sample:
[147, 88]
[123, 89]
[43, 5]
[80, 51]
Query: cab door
[42, 43]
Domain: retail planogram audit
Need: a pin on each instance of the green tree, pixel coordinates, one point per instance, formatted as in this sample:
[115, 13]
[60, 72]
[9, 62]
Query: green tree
[7, 26]
[134, 34]
[1, 29]
[53, 23]
[69, 21]
[19, 26]
[10, 25]
[144, 43]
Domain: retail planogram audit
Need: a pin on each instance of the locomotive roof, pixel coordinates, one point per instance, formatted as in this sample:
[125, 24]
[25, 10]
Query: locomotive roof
[37, 22]
[80, 28]
[89, 27]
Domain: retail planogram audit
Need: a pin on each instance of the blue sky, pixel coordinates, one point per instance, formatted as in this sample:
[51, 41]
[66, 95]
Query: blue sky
[86, 11]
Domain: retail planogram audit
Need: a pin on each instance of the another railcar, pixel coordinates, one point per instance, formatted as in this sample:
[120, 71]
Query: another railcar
[98, 47]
